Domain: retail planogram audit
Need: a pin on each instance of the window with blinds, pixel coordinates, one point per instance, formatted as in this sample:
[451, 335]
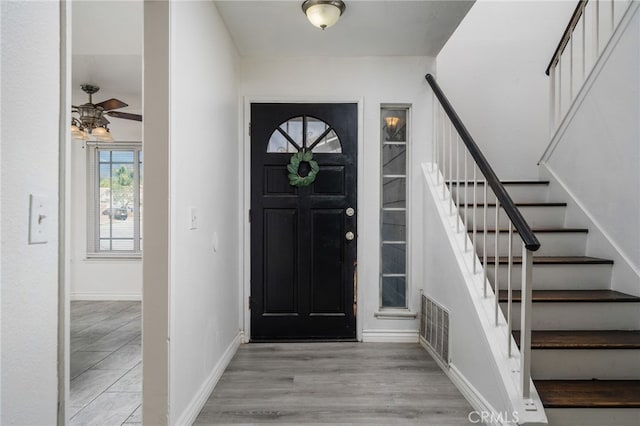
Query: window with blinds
[393, 209]
[114, 200]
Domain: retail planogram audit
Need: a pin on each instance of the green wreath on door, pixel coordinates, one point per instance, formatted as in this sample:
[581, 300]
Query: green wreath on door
[294, 166]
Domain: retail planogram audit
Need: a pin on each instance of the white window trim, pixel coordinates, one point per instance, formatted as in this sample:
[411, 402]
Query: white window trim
[93, 222]
[393, 312]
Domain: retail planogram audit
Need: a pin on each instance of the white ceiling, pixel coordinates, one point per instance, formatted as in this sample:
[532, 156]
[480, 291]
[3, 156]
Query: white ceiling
[106, 44]
[107, 36]
[367, 28]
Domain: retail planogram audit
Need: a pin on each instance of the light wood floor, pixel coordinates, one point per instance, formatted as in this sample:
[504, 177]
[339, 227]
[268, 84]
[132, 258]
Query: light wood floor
[307, 383]
[106, 370]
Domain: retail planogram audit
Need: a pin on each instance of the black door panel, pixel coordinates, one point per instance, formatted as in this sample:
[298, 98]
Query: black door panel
[302, 266]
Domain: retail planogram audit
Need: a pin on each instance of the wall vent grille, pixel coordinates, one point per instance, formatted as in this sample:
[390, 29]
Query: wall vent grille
[434, 328]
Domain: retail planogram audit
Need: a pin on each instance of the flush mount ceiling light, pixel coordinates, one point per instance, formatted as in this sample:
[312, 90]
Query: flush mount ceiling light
[323, 13]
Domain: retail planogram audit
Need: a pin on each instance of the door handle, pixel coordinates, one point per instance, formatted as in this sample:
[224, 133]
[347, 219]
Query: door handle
[349, 236]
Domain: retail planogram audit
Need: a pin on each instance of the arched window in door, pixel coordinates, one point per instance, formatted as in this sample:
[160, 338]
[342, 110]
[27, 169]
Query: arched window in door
[304, 133]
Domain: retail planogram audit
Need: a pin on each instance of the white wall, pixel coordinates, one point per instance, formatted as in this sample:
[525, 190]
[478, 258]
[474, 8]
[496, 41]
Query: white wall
[30, 37]
[204, 153]
[444, 282]
[492, 71]
[114, 63]
[597, 156]
[375, 81]
[156, 261]
[99, 279]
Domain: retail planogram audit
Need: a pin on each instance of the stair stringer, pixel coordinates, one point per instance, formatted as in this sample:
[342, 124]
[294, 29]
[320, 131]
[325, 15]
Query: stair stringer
[479, 362]
[625, 277]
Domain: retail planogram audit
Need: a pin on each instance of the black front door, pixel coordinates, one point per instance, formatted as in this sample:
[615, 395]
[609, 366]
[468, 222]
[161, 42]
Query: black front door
[303, 245]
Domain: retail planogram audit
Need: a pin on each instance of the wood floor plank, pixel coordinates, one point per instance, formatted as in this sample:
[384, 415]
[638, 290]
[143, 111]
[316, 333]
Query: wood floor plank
[585, 296]
[583, 339]
[554, 260]
[589, 393]
[307, 383]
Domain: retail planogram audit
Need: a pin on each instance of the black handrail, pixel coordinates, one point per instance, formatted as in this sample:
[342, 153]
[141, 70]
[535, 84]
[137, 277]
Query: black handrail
[520, 224]
[566, 35]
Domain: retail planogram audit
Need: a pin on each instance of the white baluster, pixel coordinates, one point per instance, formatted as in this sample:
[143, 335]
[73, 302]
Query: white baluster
[484, 246]
[509, 295]
[466, 202]
[570, 69]
[444, 161]
[552, 99]
[596, 15]
[457, 182]
[450, 168]
[584, 44]
[475, 218]
[559, 67]
[496, 266]
[612, 16]
[434, 147]
[525, 321]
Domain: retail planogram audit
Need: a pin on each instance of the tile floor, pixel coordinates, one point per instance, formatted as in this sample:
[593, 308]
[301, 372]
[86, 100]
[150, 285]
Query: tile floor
[106, 364]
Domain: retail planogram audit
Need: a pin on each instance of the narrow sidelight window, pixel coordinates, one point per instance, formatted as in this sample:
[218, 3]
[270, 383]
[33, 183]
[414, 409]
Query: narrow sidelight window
[393, 214]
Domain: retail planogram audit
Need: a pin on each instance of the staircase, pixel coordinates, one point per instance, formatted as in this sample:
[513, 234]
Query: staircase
[585, 337]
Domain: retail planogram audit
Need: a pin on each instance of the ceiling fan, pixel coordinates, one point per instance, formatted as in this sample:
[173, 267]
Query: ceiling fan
[92, 117]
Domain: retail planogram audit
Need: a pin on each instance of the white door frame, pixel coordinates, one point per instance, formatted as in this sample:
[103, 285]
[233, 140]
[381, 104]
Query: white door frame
[245, 200]
[64, 215]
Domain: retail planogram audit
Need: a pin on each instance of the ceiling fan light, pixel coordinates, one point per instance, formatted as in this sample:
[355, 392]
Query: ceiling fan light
[102, 134]
[323, 13]
[78, 133]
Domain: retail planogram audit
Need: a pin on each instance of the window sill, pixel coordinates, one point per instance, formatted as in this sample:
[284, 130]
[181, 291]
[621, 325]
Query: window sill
[112, 257]
[403, 314]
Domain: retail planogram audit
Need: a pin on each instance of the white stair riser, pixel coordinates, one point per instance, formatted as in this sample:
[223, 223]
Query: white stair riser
[558, 277]
[551, 244]
[518, 193]
[592, 416]
[535, 217]
[581, 316]
[567, 364]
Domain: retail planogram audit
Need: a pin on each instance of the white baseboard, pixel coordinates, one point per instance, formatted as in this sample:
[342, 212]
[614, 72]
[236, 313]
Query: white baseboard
[106, 296]
[470, 393]
[390, 336]
[190, 413]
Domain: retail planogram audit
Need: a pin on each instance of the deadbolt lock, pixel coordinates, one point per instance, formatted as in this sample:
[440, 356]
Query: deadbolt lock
[350, 211]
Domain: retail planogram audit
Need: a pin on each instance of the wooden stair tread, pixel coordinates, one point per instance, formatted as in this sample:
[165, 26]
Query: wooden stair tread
[541, 204]
[589, 393]
[504, 182]
[536, 231]
[583, 339]
[586, 296]
[554, 260]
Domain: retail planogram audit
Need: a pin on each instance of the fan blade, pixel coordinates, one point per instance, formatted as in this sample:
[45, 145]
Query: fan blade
[112, 103]
[125, 115]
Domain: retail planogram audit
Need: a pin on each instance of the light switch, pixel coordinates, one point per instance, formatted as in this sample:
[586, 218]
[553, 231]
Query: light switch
[38, 219]
[193, 218]
[214, 242]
